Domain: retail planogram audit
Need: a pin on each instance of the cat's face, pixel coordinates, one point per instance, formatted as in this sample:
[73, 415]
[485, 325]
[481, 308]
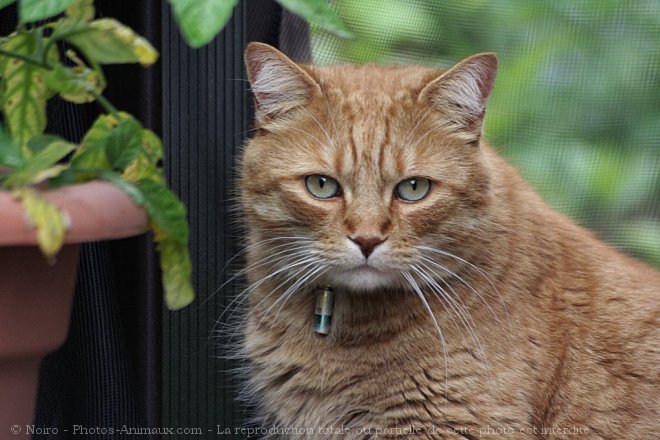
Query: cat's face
[360, 175]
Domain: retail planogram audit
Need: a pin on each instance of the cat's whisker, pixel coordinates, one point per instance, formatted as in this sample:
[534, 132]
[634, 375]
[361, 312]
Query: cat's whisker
[461, 311]
[241, 322]
[290, 240]
[313, 266]
[292, 245]
[420, 294]
[283, 269]
[483, 273]
[454, 319]
[465, 283]
[288, 253]
[246, 292]
[290, 249]
[301, 284]
[458, 308]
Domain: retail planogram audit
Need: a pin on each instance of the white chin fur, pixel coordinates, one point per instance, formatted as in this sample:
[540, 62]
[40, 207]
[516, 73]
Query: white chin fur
[362, 278]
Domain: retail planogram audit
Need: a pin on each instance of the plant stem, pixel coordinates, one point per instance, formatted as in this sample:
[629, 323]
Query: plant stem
[107, 105]
[24, 58]
[62, 36]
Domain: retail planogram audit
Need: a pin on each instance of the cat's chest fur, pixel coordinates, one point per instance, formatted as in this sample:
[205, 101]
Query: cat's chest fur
[384, 369]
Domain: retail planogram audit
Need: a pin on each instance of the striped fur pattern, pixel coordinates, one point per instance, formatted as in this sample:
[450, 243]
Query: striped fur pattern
[482, 313]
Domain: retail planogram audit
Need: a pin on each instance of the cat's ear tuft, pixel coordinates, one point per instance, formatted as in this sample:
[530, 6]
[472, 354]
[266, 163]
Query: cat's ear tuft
[277, 82]
[460, 93]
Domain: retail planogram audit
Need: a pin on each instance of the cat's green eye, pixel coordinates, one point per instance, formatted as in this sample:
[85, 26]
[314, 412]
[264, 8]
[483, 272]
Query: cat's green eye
[414, 189]
[322, 187]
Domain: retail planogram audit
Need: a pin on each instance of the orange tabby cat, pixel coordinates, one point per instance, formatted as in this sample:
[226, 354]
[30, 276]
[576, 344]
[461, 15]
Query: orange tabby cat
[465, 307]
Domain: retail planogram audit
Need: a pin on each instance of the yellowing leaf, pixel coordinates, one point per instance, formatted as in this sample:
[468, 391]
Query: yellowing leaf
[139, 169]
[81, 10]
[176, 268]
[51, 222]
[145, 166]
[25, 90]
[76, 84]
[153, 146]
[111, 42]
[49, 173]
[111, 144]
[43, 165]
[92, 154]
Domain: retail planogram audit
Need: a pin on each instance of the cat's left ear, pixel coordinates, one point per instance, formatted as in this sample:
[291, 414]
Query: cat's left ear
[460, 94]
[279, 84]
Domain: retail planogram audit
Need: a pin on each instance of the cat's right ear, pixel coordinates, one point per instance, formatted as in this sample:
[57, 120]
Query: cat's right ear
[460, 94]
[279, 84]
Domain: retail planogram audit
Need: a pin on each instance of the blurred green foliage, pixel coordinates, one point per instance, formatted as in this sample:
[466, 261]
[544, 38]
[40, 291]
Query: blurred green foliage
[576, 106]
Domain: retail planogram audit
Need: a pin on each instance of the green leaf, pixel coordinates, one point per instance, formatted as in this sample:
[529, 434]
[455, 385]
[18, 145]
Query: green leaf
[124, 143]
[35, 10]
[167, 217]
[153, 146]
[68, 27]
[319, 13]
[177, 269]
[10, 153]
[40, 142]
[109, 144]
[164, 209]
[111, 42]
[75, 84]
[89, 162]
[65, 178]
[201, 20]
[146, 164]
[50, 221]
[81, 10]
[4, 3]
[25, 90]
[43, 165]
[131, 190]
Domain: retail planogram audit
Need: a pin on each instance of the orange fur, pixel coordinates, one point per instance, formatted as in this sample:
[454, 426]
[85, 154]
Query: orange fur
[547, 327]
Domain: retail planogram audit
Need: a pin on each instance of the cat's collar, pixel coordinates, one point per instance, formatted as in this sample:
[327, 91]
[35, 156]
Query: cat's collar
[325, 302]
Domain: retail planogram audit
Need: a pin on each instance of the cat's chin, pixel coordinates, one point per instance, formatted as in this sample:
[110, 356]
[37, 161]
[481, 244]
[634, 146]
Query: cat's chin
[362, 279]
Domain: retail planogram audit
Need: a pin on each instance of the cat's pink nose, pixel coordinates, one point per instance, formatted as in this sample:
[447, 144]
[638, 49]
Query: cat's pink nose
[367, 244]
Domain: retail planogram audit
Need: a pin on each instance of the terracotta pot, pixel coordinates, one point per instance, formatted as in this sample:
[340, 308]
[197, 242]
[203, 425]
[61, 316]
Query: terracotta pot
[36, 295]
